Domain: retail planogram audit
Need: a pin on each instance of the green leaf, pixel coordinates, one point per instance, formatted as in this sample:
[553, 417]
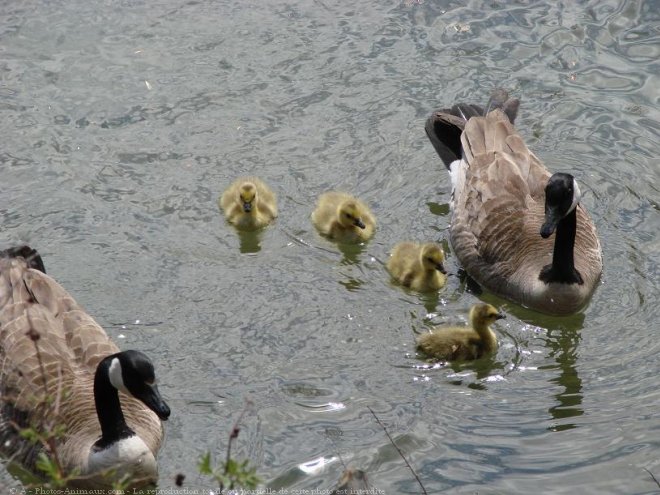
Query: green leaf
[30, 434]
[204, 465]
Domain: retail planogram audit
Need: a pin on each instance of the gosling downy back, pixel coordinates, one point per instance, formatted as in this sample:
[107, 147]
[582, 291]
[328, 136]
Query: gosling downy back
[248, 203]
[418, 266]
[49, 350]
[343, 218]
[463, 343]
[499, 206]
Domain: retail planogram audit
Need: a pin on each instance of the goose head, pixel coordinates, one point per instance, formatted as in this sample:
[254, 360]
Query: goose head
[433, 257]
[247, 194]
[562, 196]
[482, 315]
[349, 215]
[132, 372]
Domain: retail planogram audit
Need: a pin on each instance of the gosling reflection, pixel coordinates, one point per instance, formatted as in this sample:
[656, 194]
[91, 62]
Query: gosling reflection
[250, 241]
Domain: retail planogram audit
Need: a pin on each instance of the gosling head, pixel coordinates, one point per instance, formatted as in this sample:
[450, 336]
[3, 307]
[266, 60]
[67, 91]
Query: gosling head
[247, 194]
[350, 215]
[484, 315]
[562, 196]
[433, 257]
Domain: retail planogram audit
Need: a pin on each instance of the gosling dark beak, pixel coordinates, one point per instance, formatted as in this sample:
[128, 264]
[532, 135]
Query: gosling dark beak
[552, 219]
[500, 316]
[359, 223]
[247, 207]
[154, 401]
[441, 268]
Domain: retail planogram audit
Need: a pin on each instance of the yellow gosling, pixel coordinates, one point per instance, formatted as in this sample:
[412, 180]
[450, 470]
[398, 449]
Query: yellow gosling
[248, 203]
[418, 266]
[463, 343]
[343, 218]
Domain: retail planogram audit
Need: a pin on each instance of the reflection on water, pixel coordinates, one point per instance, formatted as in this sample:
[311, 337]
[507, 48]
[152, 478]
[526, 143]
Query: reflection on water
[352, 253]
[250, 241]
[563, 343]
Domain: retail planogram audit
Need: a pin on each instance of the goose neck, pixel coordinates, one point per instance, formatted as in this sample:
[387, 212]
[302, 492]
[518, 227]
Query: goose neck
[108, 408]
[562, 269]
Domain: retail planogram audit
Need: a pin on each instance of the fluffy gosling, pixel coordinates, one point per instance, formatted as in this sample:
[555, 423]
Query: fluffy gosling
[248, 203]
[463, 343]
[343, 218]
[418, 266]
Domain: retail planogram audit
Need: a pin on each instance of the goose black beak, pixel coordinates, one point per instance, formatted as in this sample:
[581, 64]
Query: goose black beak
[359, 223]
[247, 207]
[441, 268]
[552, 219]
[500, 316]
[154, 401]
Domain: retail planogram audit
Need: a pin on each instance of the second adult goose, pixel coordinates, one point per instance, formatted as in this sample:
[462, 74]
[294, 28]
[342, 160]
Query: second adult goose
[58, 368]
[506, 206]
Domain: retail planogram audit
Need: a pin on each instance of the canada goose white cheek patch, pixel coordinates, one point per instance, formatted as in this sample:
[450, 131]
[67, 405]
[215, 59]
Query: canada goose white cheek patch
[115, 375]
[576, 196]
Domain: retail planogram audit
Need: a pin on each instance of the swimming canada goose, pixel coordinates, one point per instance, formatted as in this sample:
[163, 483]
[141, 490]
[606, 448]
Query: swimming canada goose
[418, 266]
[343, 218]
[58, 368]
[248, 203]
[506, 205]
[463, 343]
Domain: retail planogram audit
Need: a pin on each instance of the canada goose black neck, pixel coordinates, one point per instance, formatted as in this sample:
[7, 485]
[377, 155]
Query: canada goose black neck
[562, 196]
[108, 408]
[562, 270]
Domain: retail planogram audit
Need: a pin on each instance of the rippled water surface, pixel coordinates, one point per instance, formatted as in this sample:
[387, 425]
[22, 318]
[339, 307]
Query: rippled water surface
[123, 121]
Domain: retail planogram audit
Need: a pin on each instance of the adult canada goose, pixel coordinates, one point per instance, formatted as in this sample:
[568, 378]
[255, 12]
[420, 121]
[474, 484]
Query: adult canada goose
[248, 203]
[463, 343]
[343, 218]
[58, 368]
[418, 266]
[506, 205]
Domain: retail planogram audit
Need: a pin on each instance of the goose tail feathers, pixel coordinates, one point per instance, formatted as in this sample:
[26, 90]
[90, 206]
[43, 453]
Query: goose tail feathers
[444, 127]
[31, 256]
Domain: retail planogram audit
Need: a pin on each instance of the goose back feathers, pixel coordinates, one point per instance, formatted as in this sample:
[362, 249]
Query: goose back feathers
[499, 208]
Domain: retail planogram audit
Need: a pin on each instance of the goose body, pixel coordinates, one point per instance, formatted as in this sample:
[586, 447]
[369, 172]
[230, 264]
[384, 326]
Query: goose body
[59, 368]
[344, 218]
[463, 343]
[505, 208]
[248, 203]
[418, 266]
